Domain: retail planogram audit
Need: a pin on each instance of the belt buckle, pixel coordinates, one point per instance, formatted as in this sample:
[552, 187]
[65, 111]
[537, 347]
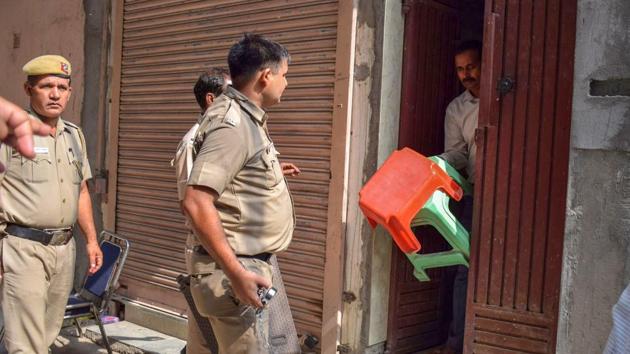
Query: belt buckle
[58, 236]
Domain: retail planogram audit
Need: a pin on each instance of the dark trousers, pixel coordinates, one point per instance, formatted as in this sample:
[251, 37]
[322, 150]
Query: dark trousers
[463, 211]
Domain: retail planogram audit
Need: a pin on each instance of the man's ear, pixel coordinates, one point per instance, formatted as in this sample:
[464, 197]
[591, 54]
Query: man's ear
[209, 99]
[265, 76]
[27, 89]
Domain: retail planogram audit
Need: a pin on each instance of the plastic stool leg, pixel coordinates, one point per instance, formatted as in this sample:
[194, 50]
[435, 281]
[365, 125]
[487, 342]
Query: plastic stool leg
[437, 213]
[422, 262]
[452, 172]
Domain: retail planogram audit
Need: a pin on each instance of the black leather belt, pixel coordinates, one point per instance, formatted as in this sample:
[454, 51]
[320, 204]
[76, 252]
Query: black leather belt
[52, 237]
[261, 256]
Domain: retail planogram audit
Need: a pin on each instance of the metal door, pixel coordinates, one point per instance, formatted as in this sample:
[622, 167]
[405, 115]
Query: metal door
[520, 192]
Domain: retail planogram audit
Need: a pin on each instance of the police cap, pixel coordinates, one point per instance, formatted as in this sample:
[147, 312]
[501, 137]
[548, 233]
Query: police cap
[48, 65]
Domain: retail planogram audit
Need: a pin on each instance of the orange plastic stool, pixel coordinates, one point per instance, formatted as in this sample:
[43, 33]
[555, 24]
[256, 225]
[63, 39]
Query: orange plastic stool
[399, 189]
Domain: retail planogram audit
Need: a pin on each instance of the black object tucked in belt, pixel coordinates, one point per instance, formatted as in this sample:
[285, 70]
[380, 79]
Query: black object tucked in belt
[261, 256]
[53, 237]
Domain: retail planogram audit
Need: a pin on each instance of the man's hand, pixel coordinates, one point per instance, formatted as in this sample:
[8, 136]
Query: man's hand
[289, 169]
[245, 285]
[17, 128]
[95, 256]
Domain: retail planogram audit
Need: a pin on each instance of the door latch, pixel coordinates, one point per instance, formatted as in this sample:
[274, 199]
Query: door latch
[505, 85]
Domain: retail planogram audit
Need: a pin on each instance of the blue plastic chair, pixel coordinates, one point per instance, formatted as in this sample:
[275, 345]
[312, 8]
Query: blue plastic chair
[93, 298]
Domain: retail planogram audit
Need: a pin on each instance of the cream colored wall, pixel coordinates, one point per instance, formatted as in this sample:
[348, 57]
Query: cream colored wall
[29, 28]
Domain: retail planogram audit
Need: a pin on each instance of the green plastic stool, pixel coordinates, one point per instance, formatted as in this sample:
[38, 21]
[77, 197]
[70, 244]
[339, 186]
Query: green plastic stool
[436, 213]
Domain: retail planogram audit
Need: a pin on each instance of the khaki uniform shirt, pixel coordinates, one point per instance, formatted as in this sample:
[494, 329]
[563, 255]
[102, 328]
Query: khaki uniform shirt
[44, 192]
[460, 124]
[238, 160]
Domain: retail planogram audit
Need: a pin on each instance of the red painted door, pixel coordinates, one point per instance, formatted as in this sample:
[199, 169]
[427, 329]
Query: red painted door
[419, 311]
[520, 192]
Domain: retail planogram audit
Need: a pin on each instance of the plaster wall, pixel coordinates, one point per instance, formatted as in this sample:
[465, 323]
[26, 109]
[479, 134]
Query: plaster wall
[33, 27]
[597, 237]
[374, 131]
[389, 114]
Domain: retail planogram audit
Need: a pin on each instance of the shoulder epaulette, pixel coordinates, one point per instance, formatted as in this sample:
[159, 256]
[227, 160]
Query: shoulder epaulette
[70, 124]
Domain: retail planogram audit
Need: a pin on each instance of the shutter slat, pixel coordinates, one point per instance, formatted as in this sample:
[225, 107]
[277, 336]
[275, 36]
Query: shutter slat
[166, 44]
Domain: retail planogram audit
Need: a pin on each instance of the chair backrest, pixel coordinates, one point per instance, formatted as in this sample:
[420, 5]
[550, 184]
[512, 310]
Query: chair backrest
[100, 286]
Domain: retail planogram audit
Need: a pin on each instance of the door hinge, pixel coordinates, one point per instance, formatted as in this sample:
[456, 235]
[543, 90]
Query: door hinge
[348, 296]
[344, 348]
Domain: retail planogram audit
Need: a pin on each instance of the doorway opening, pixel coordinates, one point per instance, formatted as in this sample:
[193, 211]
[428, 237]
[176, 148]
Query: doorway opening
[420, 312]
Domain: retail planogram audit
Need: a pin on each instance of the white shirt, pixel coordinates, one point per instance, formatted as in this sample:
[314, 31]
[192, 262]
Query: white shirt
[460, 124]
[619, 339]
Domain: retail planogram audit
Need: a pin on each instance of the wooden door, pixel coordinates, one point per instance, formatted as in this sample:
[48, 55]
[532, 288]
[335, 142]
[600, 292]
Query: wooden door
[419, 311]
[520, 191]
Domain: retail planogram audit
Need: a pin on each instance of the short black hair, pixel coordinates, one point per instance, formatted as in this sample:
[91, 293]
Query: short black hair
[252, 53]
[472, 44]
[212, 81]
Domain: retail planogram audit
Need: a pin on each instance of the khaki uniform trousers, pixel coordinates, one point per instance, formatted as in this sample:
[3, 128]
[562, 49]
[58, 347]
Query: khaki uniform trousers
[195, 342]
[36, 282]
[214, 298]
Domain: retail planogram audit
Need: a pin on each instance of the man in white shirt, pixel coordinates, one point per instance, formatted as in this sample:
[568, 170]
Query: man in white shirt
[460, 151]
[619, 339]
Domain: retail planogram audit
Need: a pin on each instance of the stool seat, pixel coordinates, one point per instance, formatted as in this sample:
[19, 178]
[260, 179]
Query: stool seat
[411, 190]
[399, 189]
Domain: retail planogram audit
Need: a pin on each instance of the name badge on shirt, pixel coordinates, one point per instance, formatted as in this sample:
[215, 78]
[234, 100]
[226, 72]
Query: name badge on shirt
[232, 120]
[41, 149]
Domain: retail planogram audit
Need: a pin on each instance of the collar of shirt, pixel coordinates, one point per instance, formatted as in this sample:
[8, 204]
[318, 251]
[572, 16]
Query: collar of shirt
[468, 97]
[61, 126]
[256, 112]
[200, 118]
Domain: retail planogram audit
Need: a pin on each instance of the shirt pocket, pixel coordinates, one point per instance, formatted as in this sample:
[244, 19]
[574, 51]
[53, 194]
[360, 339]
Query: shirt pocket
[273, 171]
[74, 167]
[38, 170]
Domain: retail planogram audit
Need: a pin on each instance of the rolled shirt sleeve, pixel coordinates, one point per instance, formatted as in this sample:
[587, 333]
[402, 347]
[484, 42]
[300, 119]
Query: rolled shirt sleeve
[221, 157]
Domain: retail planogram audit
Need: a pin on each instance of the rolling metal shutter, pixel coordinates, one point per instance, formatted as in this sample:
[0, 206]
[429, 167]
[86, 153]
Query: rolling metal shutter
[166, 44]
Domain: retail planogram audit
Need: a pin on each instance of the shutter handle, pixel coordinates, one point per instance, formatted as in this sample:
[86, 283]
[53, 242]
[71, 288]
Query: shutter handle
[505, 85]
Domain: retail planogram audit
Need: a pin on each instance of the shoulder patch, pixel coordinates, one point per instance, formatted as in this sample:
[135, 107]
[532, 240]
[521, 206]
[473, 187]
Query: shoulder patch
[232, 117]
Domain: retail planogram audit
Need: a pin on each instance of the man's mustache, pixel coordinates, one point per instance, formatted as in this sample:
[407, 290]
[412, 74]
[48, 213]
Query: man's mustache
[469, 79]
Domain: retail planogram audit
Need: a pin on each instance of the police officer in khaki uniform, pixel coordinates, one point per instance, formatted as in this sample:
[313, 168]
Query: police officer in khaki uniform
[41, 199]
[237, 200]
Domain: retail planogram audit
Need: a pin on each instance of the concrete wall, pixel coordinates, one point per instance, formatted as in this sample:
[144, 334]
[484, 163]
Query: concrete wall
[597, 236]
[33, 27]
[375, 114]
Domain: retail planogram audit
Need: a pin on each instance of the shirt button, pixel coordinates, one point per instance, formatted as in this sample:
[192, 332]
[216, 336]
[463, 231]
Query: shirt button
[62, 219]
[64, 200]
[58, 160]
[61, 180]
